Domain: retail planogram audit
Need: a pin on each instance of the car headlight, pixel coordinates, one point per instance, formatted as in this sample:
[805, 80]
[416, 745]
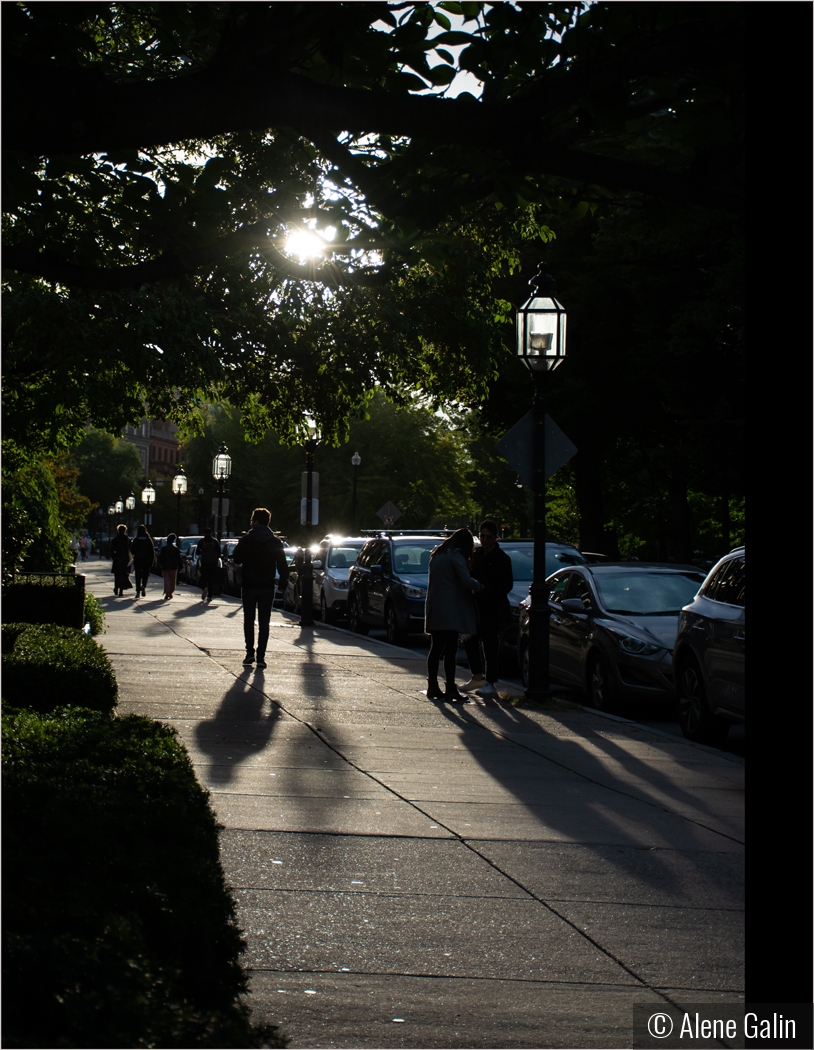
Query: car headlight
[636, 646]
[341, 585]
[414, 592]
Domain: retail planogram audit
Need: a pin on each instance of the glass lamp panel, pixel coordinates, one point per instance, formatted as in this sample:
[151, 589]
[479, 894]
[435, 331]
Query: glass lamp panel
[541, 333]
[130, 502]
[119, 506]
[179, 484]
[221, 466]
[148, 494]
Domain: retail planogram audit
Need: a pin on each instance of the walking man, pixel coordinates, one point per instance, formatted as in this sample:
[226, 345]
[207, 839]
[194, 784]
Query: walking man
[492, 567]
[209, 554]
[262, 556]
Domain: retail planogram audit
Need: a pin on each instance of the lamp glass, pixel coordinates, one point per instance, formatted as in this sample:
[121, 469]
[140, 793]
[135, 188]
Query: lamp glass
[130, 502]
[111, 510]
[148, 494]
[356, 459]
[541, 333]
[221, 466]
[119, 506]
[179, 484]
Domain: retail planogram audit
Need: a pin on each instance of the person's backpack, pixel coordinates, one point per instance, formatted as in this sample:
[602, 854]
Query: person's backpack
[209, 552]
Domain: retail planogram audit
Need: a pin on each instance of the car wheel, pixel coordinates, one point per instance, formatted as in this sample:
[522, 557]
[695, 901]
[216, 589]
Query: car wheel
[396, 634]
[356, 624]
[325, 614]
[601, 690]
[697, 721]
[524, 664]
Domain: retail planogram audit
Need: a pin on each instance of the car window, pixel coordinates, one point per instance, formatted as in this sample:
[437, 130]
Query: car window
[647, 593]
[523, 562]
[729, 583]
[557, 592]
[342, 557]
[580, 588]
[413, 559]
[558, 559]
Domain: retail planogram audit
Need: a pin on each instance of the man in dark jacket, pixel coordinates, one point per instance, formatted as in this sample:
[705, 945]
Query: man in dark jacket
[493, 568]
[209, 553]
[262, 556]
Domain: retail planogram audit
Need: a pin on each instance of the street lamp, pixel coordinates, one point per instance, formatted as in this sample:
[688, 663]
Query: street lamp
[307, 586]
[541, 347]
[130, 503]
[148, 499]
[201, 509]
[355, 459]
[179, 487]
[221, 470]
[111, 510]
[119, 506]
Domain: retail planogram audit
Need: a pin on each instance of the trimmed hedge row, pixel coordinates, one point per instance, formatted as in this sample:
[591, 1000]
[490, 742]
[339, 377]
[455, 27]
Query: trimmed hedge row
[119, 929]
[45, 666]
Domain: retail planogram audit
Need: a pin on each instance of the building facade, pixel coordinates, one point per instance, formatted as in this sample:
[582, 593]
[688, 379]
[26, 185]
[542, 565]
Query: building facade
[157, 446]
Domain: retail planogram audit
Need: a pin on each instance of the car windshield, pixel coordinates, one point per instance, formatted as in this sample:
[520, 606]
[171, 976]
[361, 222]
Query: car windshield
[647, 593]
[413, 559]
[343, 557]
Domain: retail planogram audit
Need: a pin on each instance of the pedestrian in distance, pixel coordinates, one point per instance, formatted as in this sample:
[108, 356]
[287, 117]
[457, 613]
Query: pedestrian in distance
[169, 558]
[143, 549]
[493, 568]
[449, 610]
[209, 559]
[262, 556]
[120, 557]
[84, 547]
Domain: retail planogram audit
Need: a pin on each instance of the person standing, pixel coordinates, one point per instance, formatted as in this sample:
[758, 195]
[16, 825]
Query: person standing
[493, 567]
[262, 556]
[120, 557]
[449, 610]
[169, 558]
[209, 555]
[143, 549]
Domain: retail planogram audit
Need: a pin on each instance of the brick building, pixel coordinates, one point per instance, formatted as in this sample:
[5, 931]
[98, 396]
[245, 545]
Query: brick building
[157, 445]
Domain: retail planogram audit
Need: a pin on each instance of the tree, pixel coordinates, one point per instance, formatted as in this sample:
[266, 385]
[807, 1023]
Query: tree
[34, 538]
[158, 154]
[107, 468]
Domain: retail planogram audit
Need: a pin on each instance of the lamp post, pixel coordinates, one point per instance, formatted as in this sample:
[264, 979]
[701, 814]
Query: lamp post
[355, 459]
[307, 587]
[221, 470]
[541, 347]
[111, 510]
[130, 503]
[148, 499]
[119, 508]
[179, 487]
[101, 528]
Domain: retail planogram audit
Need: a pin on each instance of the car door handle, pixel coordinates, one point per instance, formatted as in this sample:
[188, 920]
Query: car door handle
[740, 638]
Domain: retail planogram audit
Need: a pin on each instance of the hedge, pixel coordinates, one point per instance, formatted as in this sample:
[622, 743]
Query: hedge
[118, 927]
[45, 666]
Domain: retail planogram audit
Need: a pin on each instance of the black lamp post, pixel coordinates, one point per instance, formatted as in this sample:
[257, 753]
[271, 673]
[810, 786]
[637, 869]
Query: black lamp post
[119, 509]
[148, 499]
[355, 459]
[130, 503]
[111, 510]
[221, 471]
[179, 487]
[541, 346]
[201, 509]
[307, 586]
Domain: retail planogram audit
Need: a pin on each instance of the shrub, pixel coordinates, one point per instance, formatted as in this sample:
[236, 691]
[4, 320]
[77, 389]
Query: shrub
[49, 666]
[94, 613]
[119, 930]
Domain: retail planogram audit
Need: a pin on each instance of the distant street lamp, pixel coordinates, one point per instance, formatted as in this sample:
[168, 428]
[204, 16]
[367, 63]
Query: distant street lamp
[179, 487]
[111, 510]
[355, 459]
[120, 507]
[130, 503]
[541, 347]
[307, 586]
[148, 499]
[221, 471]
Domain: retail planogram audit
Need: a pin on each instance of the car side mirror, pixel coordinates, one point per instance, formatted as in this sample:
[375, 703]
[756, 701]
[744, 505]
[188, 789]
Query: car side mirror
[376, 570]
[316, 563]
[575, 607]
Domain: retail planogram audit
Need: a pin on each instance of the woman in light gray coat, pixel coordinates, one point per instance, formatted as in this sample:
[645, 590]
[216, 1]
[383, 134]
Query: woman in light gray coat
[449, 610]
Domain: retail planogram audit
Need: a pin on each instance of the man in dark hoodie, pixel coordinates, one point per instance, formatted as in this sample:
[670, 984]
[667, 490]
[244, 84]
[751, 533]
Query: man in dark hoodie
[262, 556]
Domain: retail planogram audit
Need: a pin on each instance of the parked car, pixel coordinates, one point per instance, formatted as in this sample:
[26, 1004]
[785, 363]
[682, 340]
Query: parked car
[232, 578]
[158, 543]
[710, 651]
[612, 628]
[387, 586]
[184, 545]
[331, 570]
[557, 555]
[290, 593]
[191, 568]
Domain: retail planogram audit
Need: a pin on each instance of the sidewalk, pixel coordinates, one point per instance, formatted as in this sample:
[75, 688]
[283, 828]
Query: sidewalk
[411, 874]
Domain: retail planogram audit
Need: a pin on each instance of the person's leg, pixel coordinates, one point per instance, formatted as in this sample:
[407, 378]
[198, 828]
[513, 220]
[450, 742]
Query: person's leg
[265, 598]
[490, 636]
[433, 659]
[249, 607]
[206, 576]
[474, 656]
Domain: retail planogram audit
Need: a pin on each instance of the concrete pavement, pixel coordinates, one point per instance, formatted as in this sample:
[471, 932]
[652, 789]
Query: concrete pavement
[411, 874]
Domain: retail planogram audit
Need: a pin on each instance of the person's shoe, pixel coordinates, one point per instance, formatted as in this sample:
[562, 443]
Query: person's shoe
[261, 662]
[487, 689]
[452, 696]
[472, 684]
[249, 659]
[434, 691]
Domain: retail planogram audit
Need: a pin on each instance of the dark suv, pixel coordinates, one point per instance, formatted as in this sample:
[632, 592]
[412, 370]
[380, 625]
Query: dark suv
[388, 584]
[709, 653]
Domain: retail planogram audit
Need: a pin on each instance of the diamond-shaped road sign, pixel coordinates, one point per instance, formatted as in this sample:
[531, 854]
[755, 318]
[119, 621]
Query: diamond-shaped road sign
[517, 448]
[389, 512]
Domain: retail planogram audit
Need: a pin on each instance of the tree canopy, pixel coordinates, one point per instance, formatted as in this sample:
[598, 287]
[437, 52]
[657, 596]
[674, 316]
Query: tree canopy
[157, 156]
